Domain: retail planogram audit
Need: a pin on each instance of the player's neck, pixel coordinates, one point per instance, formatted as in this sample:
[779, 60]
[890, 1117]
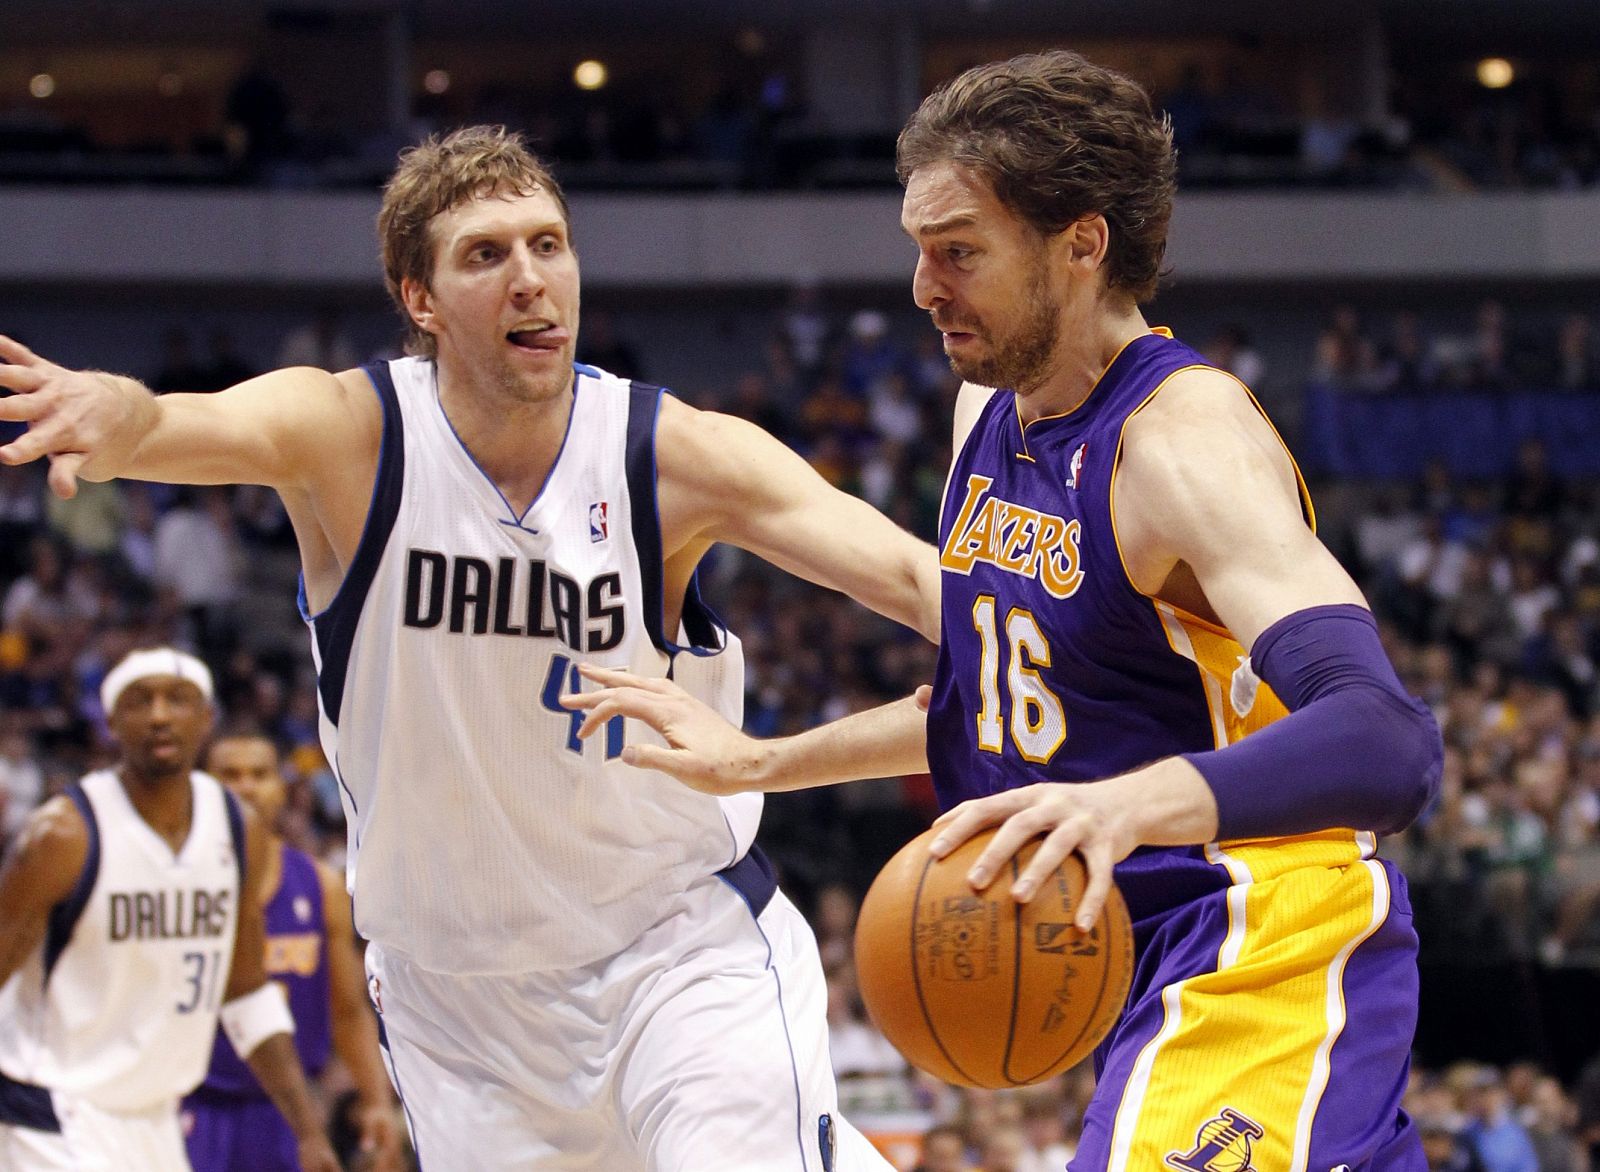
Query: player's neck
[1082, 356]
[272, 876]
[514, 441]
[166, 803]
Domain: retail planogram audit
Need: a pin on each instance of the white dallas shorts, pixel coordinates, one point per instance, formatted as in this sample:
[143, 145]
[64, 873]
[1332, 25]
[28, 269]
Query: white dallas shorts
[702, 1048]
[84, 1138]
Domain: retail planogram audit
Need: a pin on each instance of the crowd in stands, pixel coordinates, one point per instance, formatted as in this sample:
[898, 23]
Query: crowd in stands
[1238, 120]
[1490, 354]
[1488, 591]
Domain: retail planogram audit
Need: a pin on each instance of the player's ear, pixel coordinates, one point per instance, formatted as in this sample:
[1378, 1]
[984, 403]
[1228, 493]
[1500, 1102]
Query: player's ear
[419, 302]
[1085, 241]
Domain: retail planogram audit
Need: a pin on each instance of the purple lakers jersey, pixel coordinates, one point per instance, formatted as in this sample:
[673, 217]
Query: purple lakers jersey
[1052, 666]
[297, 959]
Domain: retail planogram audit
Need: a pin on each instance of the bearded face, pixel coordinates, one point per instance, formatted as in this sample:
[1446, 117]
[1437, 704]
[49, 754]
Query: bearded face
[1015, 347]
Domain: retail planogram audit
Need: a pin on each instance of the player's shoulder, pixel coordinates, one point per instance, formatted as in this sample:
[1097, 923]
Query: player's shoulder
[54, 845]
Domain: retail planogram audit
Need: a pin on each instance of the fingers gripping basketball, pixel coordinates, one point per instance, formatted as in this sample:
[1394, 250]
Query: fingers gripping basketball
[978, 989]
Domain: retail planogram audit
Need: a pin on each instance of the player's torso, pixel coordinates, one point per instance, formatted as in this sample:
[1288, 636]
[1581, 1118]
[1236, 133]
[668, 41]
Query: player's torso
[486, 836]
[296, 957]
[1053, 667]
[120, 1005]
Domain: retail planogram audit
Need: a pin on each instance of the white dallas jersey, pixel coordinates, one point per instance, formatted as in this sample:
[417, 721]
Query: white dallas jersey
[484, 837]
[119, 1004]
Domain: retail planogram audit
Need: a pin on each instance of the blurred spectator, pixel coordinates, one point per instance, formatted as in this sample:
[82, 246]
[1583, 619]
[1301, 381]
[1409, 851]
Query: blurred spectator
[600, 345]
[944, 1149]
[1500, 1142]
[1229, 349]
[21, 778]
[1575, 367]
[870, 355]
[805, 328]
[197, 559]
[224, 366]
[1345, 359]
[1405, 365]
[180, 370]
[320, 342]
[91, 521]
[22, 510]
[257, 113]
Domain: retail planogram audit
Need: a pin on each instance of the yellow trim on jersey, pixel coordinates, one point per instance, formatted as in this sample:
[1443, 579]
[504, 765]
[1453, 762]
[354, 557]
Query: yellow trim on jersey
[1307, 508]
[1256, 1034]
[1017, 407]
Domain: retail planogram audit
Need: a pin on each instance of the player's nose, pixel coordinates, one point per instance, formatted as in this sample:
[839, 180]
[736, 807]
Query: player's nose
[526, 278]
[926, 288]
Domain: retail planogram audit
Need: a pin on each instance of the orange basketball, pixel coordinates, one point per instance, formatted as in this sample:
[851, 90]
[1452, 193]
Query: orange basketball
[978, 989]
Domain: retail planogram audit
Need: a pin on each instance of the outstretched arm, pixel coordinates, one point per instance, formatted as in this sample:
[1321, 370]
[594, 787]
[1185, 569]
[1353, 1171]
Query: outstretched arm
[707, 753]
[723, 479]
[355, 1030]
[256, 1016]
[284, 429]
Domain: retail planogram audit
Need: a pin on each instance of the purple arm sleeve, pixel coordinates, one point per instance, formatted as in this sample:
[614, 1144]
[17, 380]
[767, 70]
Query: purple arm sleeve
[1355, 751]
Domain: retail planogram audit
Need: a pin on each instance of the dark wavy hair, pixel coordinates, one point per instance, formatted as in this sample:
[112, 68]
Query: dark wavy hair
[1059, 138]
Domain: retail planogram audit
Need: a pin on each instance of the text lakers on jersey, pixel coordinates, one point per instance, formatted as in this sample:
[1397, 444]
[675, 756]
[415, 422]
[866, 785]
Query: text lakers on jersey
[1014, 538]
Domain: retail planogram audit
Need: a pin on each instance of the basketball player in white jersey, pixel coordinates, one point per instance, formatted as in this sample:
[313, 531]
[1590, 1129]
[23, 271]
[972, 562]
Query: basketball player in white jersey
[577, 967]
[128, 927]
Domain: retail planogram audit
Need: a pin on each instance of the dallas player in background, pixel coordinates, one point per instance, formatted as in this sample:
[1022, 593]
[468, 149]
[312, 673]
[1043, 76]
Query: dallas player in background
[1120, 522]
[129, 924]
[573, 970]
[230, 1124]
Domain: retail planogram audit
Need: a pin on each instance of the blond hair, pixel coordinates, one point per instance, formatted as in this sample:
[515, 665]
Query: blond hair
[435, 176]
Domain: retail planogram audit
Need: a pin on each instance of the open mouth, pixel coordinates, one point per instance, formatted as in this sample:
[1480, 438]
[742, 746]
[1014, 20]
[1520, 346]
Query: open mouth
[539, 340]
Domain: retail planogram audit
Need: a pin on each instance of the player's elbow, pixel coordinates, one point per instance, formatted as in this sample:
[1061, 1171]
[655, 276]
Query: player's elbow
[1410, 755]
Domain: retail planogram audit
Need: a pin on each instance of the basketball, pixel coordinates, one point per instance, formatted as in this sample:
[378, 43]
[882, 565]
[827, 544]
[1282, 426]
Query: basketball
[978, 989]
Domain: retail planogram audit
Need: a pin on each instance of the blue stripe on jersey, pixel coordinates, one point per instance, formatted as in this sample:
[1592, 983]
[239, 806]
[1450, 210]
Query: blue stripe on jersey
[65, 915]
[335, 627]
[236, 832]
[24, 1105]
[753, 878]
[707, 635]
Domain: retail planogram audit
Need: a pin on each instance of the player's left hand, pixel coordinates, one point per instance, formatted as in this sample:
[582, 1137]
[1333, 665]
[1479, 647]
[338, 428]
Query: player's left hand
[703, 750]
[316, 1154]
[380, 1137]
[1090, 818]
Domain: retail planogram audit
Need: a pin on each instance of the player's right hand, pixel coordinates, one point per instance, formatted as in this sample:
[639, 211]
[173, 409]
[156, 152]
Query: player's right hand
[72, 415]
[703, 750]
[316, 1155]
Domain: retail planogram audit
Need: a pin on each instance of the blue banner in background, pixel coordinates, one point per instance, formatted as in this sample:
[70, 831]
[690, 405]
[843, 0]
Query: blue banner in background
[1474, 433]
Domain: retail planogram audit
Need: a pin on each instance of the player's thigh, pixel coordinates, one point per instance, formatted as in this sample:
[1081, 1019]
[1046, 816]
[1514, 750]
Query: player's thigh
[463, 1113]
[92, 1140]
[1291, 1054]
[726, 1068]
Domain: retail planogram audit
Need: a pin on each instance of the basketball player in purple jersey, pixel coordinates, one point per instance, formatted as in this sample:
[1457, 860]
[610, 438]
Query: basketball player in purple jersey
[230, 1125]
[1121, 522]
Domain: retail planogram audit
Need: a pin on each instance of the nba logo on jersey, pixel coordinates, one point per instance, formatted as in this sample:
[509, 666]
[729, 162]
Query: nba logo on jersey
[599, 530]
[1076, 466]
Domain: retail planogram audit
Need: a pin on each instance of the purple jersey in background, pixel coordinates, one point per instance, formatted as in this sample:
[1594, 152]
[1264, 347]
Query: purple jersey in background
[230, 1124]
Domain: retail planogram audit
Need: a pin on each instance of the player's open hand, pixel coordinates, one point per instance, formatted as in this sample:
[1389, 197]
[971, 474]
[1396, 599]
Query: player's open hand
[1088, 818]
[703, 750]
[72, 415]
[380, 1138]
[316, 1155]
